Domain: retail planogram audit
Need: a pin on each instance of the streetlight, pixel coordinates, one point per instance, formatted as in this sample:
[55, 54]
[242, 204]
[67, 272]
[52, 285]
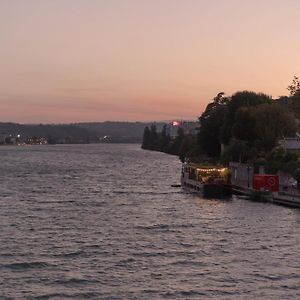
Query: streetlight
[248, 171]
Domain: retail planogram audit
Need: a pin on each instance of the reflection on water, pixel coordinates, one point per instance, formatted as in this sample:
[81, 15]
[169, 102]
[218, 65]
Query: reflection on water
[103, 222]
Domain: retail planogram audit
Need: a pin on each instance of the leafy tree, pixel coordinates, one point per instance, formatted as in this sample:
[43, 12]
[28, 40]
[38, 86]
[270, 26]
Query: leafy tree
[257, 130]
[188, 147]
[294, 99]
[239, 151]
[238, 100]
[175, 145]
[244, 126]
[294, 88]
[211, 122]
[281, 160]
[272, 122]
[220, 98]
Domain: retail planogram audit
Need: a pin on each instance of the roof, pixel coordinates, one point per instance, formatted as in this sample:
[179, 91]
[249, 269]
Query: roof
[290, 143]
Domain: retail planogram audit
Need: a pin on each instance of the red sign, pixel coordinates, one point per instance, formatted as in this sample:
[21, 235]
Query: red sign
[266, 182]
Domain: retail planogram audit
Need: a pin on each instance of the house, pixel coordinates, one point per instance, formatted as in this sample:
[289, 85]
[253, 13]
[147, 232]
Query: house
[290, 144]
[188, 127]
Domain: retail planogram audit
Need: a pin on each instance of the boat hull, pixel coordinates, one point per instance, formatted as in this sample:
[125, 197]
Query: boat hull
[207, 190]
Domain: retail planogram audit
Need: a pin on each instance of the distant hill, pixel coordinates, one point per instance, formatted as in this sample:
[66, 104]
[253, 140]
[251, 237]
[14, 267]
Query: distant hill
[110, 132]
[119, 132]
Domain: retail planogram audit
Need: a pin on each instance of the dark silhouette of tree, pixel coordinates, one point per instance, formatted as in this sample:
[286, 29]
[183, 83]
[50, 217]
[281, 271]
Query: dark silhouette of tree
[280, 160]
[221, 99]
[294, 88]
[211, 122]
[295, 105]
[179, 139]
[243, 128]
[257, 130]
[8, 141]
[164, 138]
[272, 122]
[146, 138]
[239, 151]
[154, 138]
[248, 124]
[188, 148]
[240, 99]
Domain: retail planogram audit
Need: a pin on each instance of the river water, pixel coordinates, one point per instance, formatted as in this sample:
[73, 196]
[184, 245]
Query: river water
[103, 222]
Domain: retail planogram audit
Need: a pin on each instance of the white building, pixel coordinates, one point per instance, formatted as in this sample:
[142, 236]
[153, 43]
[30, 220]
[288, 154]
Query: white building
[187, 126]
[290, 144]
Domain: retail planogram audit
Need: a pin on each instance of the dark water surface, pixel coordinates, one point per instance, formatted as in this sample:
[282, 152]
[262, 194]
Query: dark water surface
[103, 222]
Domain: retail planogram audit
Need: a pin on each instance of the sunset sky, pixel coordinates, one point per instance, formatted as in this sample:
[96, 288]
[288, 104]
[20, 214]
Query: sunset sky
[134, 60]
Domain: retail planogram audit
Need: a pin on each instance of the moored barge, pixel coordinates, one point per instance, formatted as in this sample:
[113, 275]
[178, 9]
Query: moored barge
[208, 181]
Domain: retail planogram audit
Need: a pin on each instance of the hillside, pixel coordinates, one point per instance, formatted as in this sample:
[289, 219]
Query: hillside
[109, 132]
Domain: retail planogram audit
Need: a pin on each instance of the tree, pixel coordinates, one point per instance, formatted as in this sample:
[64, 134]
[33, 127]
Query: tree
[238, 100]
[146, 138]
[281, 160]
[220, 98]
[294, 88]
[272, 122]
[188, 148]
[164, 138]
[257, 129]
[153, 138]
[239, 151]
[210, 126]
[244, 126]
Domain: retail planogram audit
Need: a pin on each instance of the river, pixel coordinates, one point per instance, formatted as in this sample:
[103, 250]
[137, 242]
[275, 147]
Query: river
[103, 222]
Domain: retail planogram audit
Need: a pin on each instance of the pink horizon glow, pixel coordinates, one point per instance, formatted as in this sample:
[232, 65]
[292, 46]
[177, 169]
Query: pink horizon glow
[140, 60]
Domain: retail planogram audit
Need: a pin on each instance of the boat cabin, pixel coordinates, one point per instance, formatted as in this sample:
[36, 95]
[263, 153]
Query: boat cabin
[205, 174]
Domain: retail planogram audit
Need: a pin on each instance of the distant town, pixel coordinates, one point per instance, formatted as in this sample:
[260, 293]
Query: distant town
[9, 139]
[85, 133]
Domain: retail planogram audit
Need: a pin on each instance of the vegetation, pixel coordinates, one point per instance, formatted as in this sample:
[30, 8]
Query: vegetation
[108, 132]
[183, 145]
[211, 122]
[245, 127]
[248, 125]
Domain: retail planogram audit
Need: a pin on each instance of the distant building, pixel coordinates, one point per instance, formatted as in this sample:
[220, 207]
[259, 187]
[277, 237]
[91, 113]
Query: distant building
[190, 127]
[187, 126]
[7, 139]
[36, 141]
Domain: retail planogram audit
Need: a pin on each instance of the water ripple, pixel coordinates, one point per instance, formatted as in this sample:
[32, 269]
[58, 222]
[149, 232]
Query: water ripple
[103, 222]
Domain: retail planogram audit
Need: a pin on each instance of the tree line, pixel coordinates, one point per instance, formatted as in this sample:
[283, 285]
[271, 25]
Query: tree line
[244, 127]
[182, 145]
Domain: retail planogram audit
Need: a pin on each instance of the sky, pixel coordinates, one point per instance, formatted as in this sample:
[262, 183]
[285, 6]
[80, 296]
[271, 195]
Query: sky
[65, 61]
